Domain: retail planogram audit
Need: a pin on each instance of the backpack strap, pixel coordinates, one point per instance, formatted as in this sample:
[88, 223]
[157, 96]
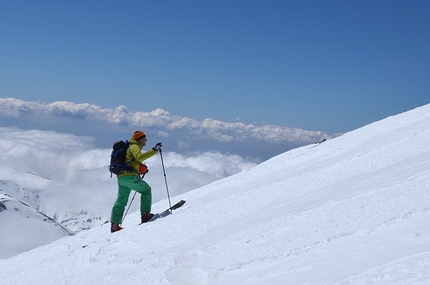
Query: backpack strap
[126, 164]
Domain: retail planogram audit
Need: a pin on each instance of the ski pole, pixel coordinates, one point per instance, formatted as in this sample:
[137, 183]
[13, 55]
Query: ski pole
[128, 208]
[165, 180]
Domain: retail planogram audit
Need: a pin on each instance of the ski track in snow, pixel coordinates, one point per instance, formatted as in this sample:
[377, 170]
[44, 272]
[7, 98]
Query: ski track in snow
[353, 210]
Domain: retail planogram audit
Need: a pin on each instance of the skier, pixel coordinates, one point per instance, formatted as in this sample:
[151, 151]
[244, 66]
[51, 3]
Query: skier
[131, 180]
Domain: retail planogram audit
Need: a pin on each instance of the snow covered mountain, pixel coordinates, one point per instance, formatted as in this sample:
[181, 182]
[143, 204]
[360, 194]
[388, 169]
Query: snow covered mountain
[20, 224]
[36, 207]
[351, 210]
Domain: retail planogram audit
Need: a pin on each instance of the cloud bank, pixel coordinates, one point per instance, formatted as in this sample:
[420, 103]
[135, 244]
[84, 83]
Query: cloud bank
[208, 128]
[184, 133]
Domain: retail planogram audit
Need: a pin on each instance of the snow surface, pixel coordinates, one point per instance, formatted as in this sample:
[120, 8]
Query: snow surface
[351, 210]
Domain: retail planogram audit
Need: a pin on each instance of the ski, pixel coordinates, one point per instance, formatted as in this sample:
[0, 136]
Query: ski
[168, 211]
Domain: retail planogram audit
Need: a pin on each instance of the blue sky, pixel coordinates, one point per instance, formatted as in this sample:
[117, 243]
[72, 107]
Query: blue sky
[318, 65]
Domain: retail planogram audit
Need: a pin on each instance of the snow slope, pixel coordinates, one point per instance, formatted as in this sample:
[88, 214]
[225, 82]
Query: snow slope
[352, 210]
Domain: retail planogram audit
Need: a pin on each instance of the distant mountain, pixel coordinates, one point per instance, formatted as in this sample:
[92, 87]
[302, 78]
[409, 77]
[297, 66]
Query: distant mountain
[36, 207]
[24, 228]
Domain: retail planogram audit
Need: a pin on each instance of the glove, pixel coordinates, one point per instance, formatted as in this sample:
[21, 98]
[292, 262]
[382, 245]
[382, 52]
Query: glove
[143, 169]
[157, 147]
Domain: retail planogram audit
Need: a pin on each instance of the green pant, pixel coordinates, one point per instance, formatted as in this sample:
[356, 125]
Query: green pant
[125, 185]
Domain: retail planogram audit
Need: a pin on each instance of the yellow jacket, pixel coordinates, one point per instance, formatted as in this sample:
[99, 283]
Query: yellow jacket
[135, 156]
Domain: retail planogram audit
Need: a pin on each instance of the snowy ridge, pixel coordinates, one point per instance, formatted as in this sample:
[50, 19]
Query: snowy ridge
[351, 210]
[44, 199]
[19, 222]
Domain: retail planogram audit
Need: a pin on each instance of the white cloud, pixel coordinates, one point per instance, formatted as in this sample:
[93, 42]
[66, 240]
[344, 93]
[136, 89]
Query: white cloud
[163, 134]
[211, 129]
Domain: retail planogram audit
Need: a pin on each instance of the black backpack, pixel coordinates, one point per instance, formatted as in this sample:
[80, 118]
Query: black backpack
[117, 158]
